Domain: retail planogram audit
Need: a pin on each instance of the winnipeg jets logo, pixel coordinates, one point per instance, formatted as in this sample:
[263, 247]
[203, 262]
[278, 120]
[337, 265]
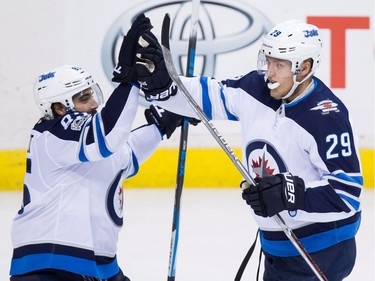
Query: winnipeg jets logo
[263, 159]
[260, 167]
[326, 106]
[115, 200]
[46, 76]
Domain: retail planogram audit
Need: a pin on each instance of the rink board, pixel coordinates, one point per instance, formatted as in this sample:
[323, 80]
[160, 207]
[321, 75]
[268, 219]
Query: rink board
[209, 167]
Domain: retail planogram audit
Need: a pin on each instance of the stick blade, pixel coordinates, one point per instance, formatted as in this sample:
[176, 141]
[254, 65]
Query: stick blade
[165, 31]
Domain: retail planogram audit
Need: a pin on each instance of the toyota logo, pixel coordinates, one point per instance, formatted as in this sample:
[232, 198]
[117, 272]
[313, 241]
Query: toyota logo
[215, 36]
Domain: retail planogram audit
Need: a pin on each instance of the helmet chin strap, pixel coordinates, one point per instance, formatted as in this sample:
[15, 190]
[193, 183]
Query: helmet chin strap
[294, 87]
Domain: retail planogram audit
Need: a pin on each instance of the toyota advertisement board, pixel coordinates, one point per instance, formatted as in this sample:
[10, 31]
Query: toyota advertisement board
[40, 35]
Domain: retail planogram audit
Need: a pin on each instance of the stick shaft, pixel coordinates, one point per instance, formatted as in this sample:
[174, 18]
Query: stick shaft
[183, 143]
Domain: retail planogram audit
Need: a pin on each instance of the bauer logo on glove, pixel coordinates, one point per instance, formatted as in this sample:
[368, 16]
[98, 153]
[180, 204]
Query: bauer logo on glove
[274, 194]
[289, 190]
[171, 91]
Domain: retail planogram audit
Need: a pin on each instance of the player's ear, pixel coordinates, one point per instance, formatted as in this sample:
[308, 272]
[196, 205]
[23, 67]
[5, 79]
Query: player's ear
[306, 66]
[58, 109]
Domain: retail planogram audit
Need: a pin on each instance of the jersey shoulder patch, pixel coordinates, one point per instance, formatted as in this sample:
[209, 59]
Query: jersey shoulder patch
[67, 127]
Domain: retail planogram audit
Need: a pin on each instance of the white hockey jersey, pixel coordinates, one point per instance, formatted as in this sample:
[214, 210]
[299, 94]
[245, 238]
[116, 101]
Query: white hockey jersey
[311, 138]
[73, 196]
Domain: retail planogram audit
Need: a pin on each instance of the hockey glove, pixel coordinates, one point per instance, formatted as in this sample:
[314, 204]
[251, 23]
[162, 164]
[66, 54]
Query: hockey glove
[166, 121]
[274, 194]
[124, 70]
[152, 73]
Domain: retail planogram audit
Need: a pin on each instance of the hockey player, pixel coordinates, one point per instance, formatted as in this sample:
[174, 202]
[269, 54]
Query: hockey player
[67, 228]
[298, 143]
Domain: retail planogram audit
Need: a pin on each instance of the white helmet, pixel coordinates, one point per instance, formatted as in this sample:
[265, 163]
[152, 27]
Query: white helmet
[295, 41]
[60, 85]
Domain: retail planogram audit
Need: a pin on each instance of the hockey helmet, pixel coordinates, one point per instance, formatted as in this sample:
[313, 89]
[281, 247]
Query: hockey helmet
[60, 85]
[293, 40]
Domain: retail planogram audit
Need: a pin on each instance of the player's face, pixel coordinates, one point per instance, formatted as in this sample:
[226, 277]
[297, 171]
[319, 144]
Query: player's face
[85, 101]
[279, 71]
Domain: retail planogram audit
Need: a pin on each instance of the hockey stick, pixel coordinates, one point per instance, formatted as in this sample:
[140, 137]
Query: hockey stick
[183, 145]
[220, 140]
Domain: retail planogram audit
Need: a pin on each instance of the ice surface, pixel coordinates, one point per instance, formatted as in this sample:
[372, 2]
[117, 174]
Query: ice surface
[216, 231]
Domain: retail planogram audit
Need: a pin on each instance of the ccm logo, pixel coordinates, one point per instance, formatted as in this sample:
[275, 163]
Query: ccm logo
[289, 187]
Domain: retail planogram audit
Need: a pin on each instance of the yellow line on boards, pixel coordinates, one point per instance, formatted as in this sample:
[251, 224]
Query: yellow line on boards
[205, 167]
[12, 169]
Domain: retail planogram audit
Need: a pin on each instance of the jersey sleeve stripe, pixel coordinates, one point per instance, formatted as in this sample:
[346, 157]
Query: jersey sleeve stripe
[103, 149]
[135, 165]
[346, 177]
[82, 154]
[230, 116]
[354, 203]
[207, 106]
